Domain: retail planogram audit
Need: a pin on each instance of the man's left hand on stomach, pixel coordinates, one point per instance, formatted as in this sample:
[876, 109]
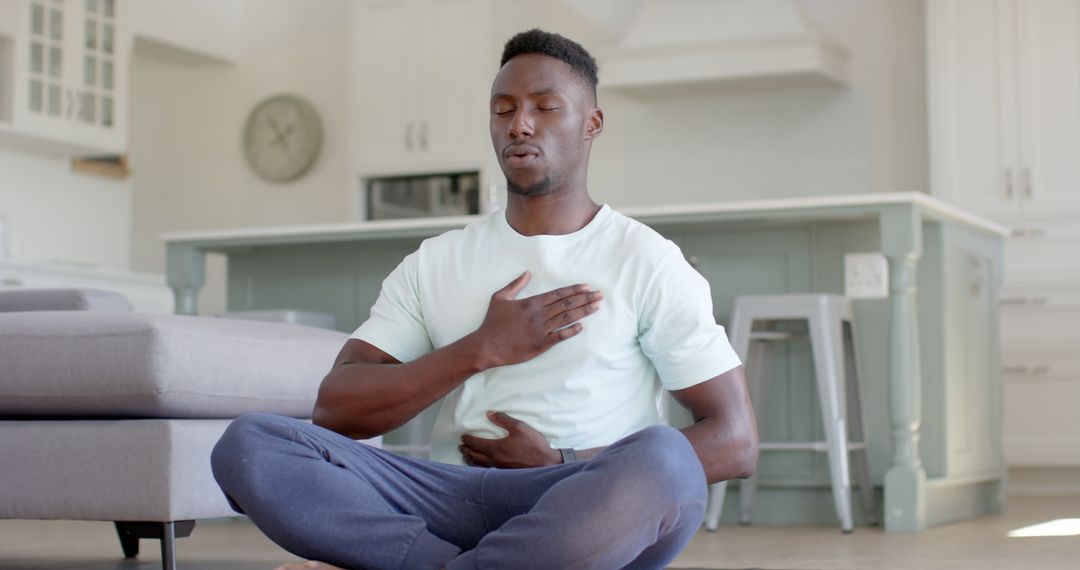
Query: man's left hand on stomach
[523, 446]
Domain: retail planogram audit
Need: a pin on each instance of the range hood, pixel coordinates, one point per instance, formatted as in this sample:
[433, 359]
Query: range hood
[678, 44]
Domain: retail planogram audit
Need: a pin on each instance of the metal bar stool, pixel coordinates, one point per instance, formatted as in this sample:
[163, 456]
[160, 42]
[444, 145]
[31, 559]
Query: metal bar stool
[831, 326]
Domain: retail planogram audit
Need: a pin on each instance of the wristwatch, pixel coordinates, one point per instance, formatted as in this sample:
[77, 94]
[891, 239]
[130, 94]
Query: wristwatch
[568, 455]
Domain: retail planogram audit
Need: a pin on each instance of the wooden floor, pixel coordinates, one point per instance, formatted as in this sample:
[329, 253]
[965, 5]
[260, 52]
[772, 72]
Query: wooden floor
[981, 544]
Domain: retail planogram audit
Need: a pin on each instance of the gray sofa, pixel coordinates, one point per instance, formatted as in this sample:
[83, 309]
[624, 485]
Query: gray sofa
[110, 415]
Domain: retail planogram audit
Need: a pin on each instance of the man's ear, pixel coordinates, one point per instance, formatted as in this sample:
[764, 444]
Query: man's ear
[595, 126]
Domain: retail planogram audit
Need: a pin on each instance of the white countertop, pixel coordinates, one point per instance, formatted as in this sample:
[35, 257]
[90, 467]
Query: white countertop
[930, 206]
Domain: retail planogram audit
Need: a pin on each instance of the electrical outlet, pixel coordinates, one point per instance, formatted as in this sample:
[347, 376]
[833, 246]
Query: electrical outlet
[866, 276]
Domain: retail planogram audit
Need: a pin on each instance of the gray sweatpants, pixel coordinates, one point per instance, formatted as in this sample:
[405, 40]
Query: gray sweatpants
[323, 496]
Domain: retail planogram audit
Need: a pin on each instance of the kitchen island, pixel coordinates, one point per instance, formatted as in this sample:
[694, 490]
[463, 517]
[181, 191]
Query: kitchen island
[929, 354]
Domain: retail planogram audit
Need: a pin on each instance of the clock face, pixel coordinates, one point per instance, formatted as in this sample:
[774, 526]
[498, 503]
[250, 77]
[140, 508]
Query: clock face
[282, 138]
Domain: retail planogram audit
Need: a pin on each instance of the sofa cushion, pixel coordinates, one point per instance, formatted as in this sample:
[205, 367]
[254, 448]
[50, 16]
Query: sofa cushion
[62, 300]
[136, 365]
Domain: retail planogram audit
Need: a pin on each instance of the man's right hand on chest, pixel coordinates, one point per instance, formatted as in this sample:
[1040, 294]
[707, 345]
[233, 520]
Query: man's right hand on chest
[518, 330]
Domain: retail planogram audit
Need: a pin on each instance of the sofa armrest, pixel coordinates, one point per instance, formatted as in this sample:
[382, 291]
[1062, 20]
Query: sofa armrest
[14, 300]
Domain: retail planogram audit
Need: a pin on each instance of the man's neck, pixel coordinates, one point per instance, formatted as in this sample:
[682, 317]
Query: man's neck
[559, 213]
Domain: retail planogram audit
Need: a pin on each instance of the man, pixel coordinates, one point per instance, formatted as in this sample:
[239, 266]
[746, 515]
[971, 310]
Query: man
[545, 327]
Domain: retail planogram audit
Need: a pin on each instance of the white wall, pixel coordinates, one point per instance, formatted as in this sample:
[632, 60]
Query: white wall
[55, 215]
[186, 125]
[746, 143]
[200, 28]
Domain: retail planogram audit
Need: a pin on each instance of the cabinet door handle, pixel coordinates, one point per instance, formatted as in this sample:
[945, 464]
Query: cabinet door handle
[1040, 369]
[1014, 369]
[423, 136]
[1010, 301]
[11, 281]
[1031, 233]
[408, 137]
[1027, 182]
[1008, 184]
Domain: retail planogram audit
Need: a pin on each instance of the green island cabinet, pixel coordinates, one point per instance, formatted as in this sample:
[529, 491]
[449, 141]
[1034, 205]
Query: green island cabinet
[929, 354]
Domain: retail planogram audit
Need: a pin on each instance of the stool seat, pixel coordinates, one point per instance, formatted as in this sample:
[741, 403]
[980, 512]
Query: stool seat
[831, 325]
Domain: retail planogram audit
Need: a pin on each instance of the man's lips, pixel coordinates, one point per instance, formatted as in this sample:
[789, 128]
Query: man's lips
[520, 155]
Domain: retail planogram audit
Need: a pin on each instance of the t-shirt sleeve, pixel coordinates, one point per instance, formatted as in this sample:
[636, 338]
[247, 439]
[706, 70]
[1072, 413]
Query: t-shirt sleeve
[396, 325]
[677, 330]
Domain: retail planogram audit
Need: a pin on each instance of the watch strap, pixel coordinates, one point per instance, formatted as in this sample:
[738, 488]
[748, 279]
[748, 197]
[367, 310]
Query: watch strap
[568, 455]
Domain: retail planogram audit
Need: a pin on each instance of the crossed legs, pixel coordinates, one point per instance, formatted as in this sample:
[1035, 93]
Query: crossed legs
[324, 497]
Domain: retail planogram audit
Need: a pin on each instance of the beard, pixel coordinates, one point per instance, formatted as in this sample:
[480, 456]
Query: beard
[540, 188]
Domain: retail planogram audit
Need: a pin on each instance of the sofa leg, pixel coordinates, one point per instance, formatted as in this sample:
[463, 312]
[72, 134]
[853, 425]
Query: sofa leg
[167, 532]
[128, 541]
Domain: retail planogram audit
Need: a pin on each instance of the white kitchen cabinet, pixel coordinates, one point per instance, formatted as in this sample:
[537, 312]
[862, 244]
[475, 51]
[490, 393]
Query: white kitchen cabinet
[1004, 103]
[418, 79]
[1004, 87]
[66, 65]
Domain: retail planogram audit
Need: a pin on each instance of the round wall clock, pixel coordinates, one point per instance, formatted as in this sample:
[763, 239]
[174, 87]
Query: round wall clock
[282, 138]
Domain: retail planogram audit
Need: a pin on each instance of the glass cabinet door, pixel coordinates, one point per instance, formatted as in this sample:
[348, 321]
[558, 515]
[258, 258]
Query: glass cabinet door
[47, 51]
[73, 61]
[96, 82]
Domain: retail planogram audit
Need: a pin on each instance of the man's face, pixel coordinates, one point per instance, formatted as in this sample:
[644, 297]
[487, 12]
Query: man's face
[542, 119]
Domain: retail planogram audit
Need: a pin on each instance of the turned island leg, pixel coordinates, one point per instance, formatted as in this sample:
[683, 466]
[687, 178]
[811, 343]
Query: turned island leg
[905, 481]
[185, 272]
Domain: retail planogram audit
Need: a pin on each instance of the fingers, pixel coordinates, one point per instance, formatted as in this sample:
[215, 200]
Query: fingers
[555, 337]
[572, 302]
[503, 420]
[514, 287]
[475, 457]
[571, 316]
[478, 443]
[556, 295]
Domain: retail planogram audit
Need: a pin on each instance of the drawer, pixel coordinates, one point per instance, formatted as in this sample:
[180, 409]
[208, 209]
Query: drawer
[1040, 331]
[1047, 410]
[1021, 300]
[1041, 367]
[1043, 253]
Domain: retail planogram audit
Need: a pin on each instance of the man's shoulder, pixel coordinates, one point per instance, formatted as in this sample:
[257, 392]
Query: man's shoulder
[638, 239]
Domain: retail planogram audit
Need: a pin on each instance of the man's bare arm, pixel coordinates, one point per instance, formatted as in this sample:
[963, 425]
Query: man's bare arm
[724, 433]
[368, 392]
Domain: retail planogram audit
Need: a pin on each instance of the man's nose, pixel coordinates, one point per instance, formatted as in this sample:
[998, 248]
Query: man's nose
[521, 125]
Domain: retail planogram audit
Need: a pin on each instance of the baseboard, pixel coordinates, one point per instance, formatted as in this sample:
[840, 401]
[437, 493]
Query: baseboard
[1044, 481]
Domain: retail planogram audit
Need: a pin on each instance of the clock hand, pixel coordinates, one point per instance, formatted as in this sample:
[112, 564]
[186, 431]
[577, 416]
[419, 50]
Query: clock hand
[285, 136]
[276, 132]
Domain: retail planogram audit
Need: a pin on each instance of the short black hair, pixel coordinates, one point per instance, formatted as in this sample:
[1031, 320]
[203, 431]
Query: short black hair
[556, 46]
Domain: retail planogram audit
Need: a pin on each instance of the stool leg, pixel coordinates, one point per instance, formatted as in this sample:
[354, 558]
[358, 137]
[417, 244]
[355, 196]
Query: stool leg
[717, 493]
[758, 377]
[858, 428]
[826, 341]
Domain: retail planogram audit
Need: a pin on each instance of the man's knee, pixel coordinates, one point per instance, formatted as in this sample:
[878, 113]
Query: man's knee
[236, 452]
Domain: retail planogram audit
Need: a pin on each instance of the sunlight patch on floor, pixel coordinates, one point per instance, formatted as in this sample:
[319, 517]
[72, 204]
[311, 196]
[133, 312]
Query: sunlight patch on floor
[1056, 527]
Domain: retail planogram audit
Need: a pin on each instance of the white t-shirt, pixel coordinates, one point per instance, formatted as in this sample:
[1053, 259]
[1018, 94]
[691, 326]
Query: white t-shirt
[655, 327]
